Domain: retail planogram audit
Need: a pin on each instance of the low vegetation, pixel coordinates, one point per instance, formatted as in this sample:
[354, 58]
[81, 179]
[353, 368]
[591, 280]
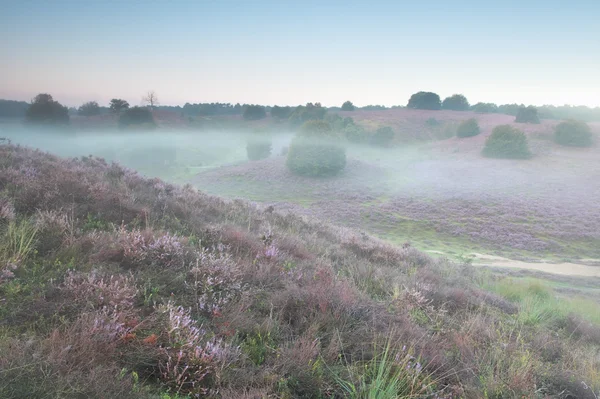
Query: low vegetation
[468, 128]
[258, 149]
[114, 285]
[315, 152]
[507, 142]
[573, 133]
[527, 115]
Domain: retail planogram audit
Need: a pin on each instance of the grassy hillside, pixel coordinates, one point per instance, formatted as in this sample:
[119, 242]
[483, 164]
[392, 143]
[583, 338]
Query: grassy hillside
[113, 285]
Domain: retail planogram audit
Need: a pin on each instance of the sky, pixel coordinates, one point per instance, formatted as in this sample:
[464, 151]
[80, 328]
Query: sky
[293, 52]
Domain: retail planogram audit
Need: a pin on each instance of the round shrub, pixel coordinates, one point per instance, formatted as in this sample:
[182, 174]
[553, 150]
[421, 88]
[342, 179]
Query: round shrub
[313, 158]
[573, 133]
[527, 115]
[314, 152]
[456, 102]
[468, 128]
[506, 142]
[425, 100]
[383, 136]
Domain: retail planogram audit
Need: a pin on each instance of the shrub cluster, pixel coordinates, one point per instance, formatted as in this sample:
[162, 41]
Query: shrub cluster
[527, 115]
[314, 152]
[573, 133]
[425, 100]
[506, 142]
[468, 128]
[456, 102]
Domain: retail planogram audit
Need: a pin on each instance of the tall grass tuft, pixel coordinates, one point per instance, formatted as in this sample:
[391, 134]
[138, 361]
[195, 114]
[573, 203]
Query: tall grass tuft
[392, 373]
[16, 244]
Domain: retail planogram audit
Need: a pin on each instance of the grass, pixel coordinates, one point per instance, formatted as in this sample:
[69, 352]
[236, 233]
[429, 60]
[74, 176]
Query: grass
[539, 304]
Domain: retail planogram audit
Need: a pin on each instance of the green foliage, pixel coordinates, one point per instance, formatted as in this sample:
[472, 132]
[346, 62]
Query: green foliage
[314, 152]
[90, 108]
[44, 110]
[254, 112]
[425, 100]
[527, 115]
[392, 373]
[506, 142]
[468, 128]
[485, 108]
[308, 112]
[348, 106]
[456, 102]
[258, 149]
[573, 133]
[118, 105]
[17, 241]
[258, 346]
[281, 112]
[316, 129]
[137, 117]
[383, 136]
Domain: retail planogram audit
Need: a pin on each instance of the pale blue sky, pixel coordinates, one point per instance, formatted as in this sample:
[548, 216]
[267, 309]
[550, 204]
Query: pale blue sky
[291, 52]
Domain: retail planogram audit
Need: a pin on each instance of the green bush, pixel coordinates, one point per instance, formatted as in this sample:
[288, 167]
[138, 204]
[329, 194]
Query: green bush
[468, 128]
[506, 142]
[527, 115]
[456, 102]
[137, 116]
[573, 133]
[432, 122]
[308, 112]
[315, 152]
[485, 108]
[425, 100]
[348, 106]
[383, 136]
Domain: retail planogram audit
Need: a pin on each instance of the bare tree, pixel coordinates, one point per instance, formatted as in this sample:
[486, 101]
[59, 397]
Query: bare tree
[151, 99]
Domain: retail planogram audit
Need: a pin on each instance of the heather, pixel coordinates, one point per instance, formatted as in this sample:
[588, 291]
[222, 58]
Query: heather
[116, 285]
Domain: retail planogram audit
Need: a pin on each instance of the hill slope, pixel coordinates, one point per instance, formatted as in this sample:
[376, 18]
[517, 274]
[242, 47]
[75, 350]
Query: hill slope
[113, 285]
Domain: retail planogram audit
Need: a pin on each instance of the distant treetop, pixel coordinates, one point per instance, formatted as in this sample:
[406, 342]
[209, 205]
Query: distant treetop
[44, 110]
[348, 106]
[425, 100]
[456, 102]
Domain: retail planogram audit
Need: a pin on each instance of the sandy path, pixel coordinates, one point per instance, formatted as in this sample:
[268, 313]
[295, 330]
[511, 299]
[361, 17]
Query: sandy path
[565, 268]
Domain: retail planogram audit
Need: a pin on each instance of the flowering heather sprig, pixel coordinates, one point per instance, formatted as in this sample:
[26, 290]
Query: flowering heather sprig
[116, 292]
[190, 356]
[139, 248]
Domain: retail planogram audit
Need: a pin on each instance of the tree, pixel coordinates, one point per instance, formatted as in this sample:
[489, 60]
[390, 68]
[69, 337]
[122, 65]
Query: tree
[13, 109]
[90, 108]
[117, 105]
[506, 142]
[485, 108]
[573, 133]
[280, 112]
[305, 113]
[44, 110]
[316, 151]
[468, 128]
[348, 106]
[456, 102]
[527, 115]
[425, 100]
[151, 99]
[254, 112]
[137, 116]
